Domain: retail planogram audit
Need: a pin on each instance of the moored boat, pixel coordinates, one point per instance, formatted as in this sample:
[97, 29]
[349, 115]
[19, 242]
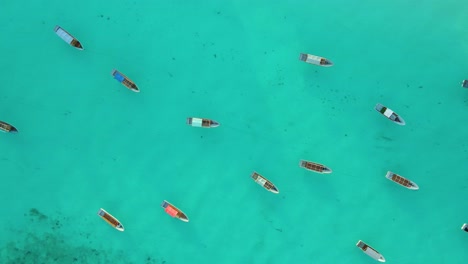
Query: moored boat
[317, 60]
[67, 37]
[174, 211]
[464, 227]
[388, 113]
[264, 182]
[125, 81]
[465, 84]
[371, 252]
[201, 122]
[5, 127]
[401, 181]
[316, 167]
[110, 219]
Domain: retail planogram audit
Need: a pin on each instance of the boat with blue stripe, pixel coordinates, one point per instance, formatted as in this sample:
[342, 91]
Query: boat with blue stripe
[125, 81]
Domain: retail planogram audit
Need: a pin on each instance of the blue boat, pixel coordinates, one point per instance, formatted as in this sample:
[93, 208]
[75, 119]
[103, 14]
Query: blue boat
[125, 81]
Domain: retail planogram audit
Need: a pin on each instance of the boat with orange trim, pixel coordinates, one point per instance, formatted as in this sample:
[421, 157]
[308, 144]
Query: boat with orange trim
[174, 211]
[401, 181]
[110, 219]
[315, 167]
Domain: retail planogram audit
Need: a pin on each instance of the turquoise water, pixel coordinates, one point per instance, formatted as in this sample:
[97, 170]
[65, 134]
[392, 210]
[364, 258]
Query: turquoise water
[86, 142]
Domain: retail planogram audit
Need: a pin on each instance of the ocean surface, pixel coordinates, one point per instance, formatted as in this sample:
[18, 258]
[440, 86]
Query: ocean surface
[86, 142]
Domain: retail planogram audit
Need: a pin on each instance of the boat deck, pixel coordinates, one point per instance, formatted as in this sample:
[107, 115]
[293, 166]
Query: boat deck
[401, 180]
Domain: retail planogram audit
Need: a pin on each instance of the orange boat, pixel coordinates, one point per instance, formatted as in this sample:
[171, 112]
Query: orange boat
[110, 219]
[174, 211]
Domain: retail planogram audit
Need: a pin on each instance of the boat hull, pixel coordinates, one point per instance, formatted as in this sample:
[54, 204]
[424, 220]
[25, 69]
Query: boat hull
[111, 220]
[68, 38]
[315, 167]
[464, 227]
[402, 181]
[316, 60]
[264, 182]
[201, 122]
[390, 114]
[7, 128]
[371, 252]
[180, 215]
[125, 81]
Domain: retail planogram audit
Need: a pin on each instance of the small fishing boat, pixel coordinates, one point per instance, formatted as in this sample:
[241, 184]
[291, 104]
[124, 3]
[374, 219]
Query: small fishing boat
[387, 112]
[401, 181]
[67, 37]
[312, 166]
[371, 252]
[125, 81]
[201, 122]
[464, 227]
[312, 59]
[465, 84]
[264, 182]
[174, 211]
[110, 219]
[5, 127]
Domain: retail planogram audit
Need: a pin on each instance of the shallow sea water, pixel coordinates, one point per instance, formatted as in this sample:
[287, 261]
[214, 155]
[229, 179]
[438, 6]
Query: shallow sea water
[86, 142]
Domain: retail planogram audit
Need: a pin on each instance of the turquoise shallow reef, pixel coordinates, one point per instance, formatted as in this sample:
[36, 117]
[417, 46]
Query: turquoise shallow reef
[86, 142]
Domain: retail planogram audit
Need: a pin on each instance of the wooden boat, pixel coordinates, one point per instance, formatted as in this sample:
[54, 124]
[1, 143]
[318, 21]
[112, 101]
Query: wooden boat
[174, 211]
[110, 219]
[465, 84]
[5, 127]
[125, 81]
[312, 59]
[371, 252]
[312, 166]
[67, 37]
[387, 112]
[401, 181]
[264, 182]
[201, 122]
[464, 227]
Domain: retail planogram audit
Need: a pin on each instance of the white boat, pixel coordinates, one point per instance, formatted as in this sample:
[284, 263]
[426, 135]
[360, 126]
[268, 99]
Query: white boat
[388, 113]
[174, 211]
[110, 219]
[317, 60]
[264, 182]
[68, 38]
[5, 127]
[201, 122]
[316, 167]
[125, 81]
[401, 181]
[464, 227]
[371, 252]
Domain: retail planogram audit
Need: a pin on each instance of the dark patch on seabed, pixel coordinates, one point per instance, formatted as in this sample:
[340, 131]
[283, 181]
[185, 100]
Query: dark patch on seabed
[44, 242]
